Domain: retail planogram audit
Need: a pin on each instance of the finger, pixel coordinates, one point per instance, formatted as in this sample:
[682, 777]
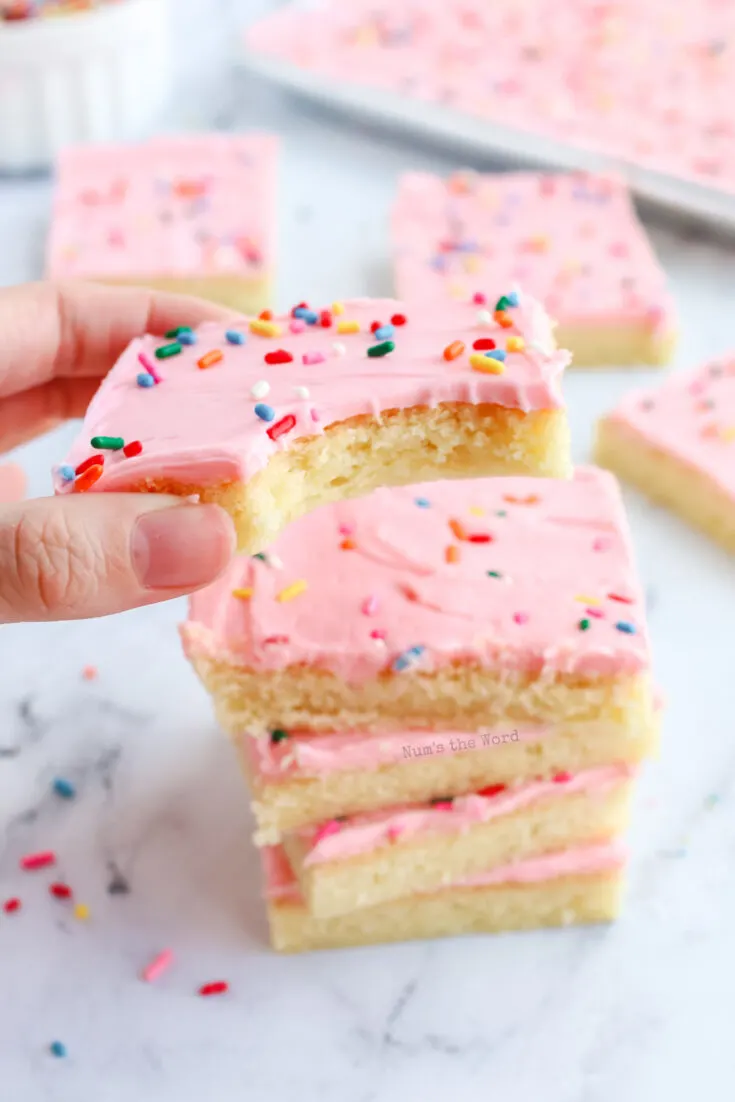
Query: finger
[12, 482]
[27, 415]
[89, 555]
[63, 329]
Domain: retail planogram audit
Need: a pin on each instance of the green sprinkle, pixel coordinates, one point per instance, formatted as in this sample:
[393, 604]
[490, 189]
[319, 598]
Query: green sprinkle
[494, 574]
[500, 513]
[278, 735]
[583, 625]
[174, 333]
[260, 556]
[503, 303]
[381, 349]
[167, 350]
[111, 443]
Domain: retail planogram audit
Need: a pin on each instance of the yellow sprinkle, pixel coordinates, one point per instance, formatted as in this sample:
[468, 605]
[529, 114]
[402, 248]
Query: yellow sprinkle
[471, 264]
[81, 911]
[292, 590]
[728, 434]
[457, 290]
[478, 362]
[348, 327]
[476, 511]
[265, 328]
[515, 344]
[588, 600]
[338, 308]
[242, 594]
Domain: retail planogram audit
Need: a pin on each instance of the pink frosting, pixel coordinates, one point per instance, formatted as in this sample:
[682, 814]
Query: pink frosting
[563, 595]
[692, 417]
[189, 206]
[281, 884]
[621, 77]
[369, 831]
[303, 755]
[201, 426]
[573, 241]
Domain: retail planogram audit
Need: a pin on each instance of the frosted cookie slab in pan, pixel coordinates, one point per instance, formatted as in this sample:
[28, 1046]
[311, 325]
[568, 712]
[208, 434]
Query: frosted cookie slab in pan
[276, 416]
[676, 443]
[194, 214]
[363, 860]
[502, 602]
[572, 240]
[576, 886]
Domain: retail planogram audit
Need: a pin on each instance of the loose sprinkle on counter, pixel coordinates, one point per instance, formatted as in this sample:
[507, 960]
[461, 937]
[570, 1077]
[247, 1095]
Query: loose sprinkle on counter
[11, 906]
[234, 336]
[279, 356]
[265, 328]
[64, 788]
[453, 351]
[382, 349]
[264, 412]
[209, 359]
[58, 1049]
[166, 351]
[282, 427]
[60, 891]
[81, 912]
[293, 590]
[109, 443]
[41, 860]
[219, 987]
[156, 968]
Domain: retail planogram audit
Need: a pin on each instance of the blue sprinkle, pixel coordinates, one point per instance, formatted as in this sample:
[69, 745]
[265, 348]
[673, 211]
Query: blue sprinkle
[495, 354]
[234, 336]
[57, 1048]
[623, 625]
[144, 379]
[66, 473]
[403, 661]
[64, 788]
[422, 502]
[309, 316]
[384, 333]
[438, 263]
[187, 337]
[264, 412]
[513, 298]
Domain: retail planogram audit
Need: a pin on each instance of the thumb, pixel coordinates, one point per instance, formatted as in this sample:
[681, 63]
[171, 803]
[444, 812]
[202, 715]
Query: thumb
[85, 555]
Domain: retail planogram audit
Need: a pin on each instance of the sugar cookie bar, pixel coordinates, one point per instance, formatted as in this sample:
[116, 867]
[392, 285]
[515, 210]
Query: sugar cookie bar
[577, 886]
[572, 240]
[194, 214]
[363, 860]
[491, 603]
[297, 779]
[676, 443]
[275, 417]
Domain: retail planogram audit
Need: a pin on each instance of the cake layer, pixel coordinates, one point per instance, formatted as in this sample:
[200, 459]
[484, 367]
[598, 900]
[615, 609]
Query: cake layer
[364, 860]
[190, 213]
[675, 443]
[572, 240]
[499, 602]
[579, 886]
[299, 779]
[275, 417]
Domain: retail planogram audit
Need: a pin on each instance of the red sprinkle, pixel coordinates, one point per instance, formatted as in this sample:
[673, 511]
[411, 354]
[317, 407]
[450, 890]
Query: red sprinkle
[281, 427]
[10, 906]
[266, 315]
[133, 448]
[93, 461]
[623, 600]
[492, 790]
[88, 479]
[325, 319]
[60, 891]
[483, 344]
[561, 778]
[41, 860]
[479, 299]
[399, 319]
[280, 356]
[480, 537]
[375, 325]
[219, 987]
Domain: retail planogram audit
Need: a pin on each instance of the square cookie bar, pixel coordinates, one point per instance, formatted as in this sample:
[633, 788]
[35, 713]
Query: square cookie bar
[676, 443]
[276, 416]
[502, 602]
[572, 240]
[194, 214]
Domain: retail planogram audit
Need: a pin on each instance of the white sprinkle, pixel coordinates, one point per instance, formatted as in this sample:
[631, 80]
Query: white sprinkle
[338, 348]
[274, 562]
[301, 391]
[260, 389]
[484, 317]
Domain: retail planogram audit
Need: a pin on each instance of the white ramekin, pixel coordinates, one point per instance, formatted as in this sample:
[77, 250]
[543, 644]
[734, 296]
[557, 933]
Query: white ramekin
[102, 75]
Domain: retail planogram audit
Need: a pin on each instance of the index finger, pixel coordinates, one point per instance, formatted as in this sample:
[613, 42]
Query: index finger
[61, 330]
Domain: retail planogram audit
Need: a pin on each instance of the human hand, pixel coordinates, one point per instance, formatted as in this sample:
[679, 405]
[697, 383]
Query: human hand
[90, 554]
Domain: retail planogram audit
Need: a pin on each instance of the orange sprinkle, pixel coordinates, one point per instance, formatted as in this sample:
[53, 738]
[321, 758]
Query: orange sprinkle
[90, 673]
[88, 479]
[210, 358]
[453, 350]
[515, 344]
[266, 315]
[503, 320]
[348, 545]
[458, 529]
[452, 553]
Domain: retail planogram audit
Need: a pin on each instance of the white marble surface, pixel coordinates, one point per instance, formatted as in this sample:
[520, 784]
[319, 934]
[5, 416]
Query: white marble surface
[641, 1012]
